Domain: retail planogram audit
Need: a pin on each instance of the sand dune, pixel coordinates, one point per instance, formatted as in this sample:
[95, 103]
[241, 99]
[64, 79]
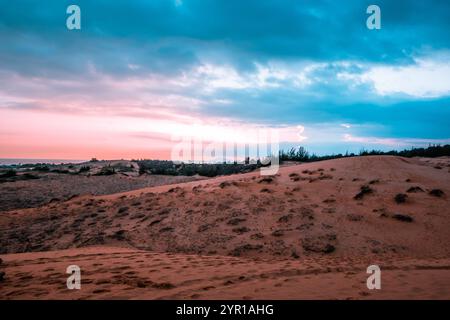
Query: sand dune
[314, 226]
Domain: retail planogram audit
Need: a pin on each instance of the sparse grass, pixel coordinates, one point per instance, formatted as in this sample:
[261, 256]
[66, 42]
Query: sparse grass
[224, 184]
[306, 213]
[61, 171]
[402, 217]
[400, 198]
[437, 193]
[240, 230]
[266, 180]
[278, 233]
[203, 227]
[244, 248]
[84, 169]
[122, 212]
[106, 171]
[365, 189]
[8, 174]
[235, 221]
[354, 217]
[286, 218]
[122, 168]
[41, 168]
[29, 176]
[119, 235]
[325, 177]
[12, 176]
[414, 189]
[165, 167]
[318, 245]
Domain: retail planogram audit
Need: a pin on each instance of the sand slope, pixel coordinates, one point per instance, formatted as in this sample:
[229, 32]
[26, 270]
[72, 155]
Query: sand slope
[117, 273]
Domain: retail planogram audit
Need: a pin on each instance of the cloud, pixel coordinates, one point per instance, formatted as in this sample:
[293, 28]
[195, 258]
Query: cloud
[213, 77]
[172, 36]
[426, 78]
[394, 142]
[251, 63]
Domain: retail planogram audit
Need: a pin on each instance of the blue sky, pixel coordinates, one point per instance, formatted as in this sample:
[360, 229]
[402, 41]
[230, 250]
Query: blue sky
[312, 65]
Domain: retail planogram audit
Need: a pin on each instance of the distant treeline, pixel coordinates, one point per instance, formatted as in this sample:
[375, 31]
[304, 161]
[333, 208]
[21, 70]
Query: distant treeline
[166, 167]
[300, 154]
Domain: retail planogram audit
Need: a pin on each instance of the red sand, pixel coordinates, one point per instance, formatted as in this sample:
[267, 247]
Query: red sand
[299, 235]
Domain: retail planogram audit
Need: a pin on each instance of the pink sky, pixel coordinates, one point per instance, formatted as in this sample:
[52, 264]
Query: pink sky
[68, 135]
[37, 134]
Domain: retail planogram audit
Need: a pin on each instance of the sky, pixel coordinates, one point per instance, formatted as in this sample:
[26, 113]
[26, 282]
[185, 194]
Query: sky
[139, 76]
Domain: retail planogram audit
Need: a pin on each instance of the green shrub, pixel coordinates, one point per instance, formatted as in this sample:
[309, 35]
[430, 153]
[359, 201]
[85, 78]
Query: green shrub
[41, 168]
[106, 171]
[84, 169]
[8, 174]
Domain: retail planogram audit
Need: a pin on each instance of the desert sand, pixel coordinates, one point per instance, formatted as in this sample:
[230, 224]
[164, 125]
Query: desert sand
[308, 232]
